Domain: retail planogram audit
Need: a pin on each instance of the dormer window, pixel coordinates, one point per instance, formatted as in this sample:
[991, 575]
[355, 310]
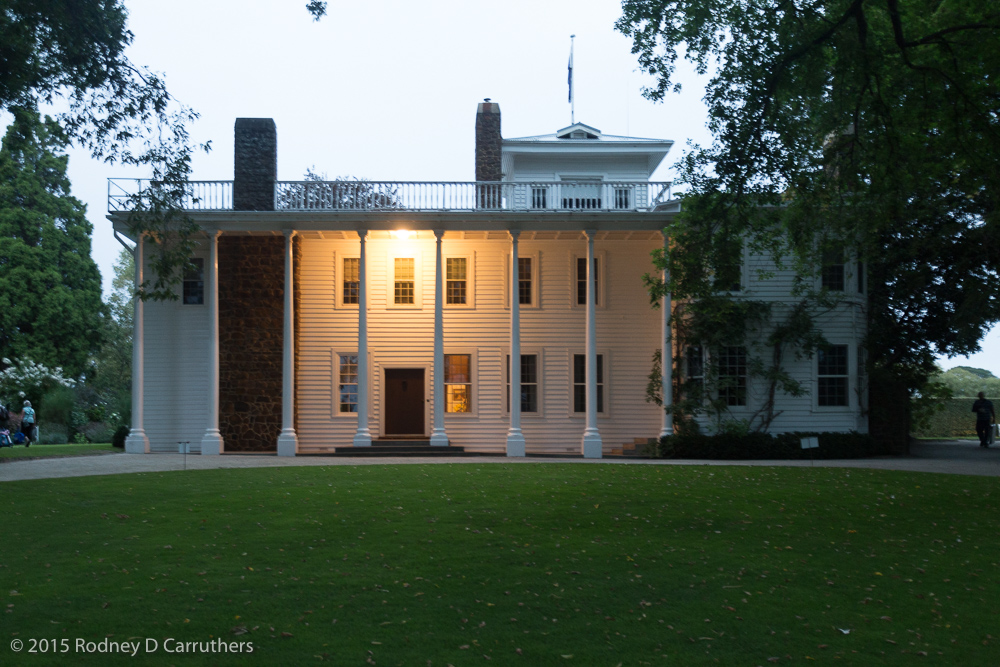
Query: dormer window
[579, 131]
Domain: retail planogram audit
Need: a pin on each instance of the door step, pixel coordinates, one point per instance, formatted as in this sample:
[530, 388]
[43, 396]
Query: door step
[399, 448]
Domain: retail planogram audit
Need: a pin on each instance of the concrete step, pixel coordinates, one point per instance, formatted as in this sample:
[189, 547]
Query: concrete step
[399, 448]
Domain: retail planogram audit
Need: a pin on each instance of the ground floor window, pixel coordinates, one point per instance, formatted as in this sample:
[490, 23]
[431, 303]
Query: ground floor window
[694, 376]
[832, 376]
[348, 383]
[733, 375]
[580, 383]
[458, 382]
[529, 383]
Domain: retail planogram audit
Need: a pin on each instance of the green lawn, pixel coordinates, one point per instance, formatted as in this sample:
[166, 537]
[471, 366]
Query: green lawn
[543, 564]
[21, 452]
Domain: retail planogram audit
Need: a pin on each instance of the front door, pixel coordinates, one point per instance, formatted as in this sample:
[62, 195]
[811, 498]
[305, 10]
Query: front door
[404, 402]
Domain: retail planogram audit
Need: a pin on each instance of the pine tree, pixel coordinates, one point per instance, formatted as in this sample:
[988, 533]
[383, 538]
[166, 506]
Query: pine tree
[50, 287]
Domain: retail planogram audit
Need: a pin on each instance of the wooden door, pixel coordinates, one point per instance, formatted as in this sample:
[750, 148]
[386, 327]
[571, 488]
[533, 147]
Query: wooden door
[404, 402]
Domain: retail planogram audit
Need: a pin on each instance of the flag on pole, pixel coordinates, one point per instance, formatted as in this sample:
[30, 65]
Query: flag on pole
[569, 67]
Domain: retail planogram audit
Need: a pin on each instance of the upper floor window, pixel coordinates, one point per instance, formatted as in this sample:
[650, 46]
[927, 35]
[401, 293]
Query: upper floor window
[351, 282]
[194, 282]
[524, 281]
[456, 277]
[581, 281]
[404, 286]
[832, 276]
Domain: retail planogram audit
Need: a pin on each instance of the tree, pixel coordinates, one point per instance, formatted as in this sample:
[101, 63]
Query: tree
[113, 377]
[50, 288]
[867, 124]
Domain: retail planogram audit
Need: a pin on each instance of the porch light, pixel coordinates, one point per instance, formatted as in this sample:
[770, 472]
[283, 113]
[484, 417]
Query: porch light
[403, 234]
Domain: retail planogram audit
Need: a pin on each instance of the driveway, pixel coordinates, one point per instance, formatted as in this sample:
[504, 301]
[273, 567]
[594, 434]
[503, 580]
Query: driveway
[958, 457]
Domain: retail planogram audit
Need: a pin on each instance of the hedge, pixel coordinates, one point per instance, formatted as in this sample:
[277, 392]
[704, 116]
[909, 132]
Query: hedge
[954, 420]
[757, 446]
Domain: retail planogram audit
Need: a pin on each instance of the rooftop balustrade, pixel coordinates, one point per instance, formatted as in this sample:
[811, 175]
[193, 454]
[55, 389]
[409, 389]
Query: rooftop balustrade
[317, 196]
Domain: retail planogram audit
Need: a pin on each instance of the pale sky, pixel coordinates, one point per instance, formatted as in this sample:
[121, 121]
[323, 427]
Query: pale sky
[387, 89]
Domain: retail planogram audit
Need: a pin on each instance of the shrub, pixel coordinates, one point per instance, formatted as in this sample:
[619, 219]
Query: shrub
[760, 446]
[118, 439]
[52, 434]
[99, 432]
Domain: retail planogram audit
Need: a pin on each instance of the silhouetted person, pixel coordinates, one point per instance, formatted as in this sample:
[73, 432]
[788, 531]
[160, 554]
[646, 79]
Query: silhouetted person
[984, 419]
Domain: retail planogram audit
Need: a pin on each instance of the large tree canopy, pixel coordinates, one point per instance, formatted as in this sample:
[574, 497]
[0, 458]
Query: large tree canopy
[873, 124]
[50, 288]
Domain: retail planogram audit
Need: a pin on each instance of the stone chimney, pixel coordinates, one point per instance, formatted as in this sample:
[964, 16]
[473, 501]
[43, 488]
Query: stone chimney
[255, 164]
[489, 143]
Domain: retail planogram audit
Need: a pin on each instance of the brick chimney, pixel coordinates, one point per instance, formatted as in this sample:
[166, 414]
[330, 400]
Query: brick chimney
[255, 164]
[489, 143]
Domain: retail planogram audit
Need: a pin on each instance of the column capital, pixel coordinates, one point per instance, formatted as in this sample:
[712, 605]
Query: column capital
[212, 232]
[363, 234]
[438, 234]
[591, 233]
[514, 233]
[289, 233]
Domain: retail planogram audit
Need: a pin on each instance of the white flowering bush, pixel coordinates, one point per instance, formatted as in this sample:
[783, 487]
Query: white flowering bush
[24, 379]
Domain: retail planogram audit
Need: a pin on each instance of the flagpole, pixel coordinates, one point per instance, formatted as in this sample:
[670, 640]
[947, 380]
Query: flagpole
[572, 98]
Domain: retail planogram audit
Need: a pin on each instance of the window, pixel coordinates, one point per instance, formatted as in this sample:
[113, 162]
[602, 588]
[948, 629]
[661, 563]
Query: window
[456, 270]
[194, 282]
[539, 197]
[623, 197]
[348, 383]
[832, 376]
[529, 383]
[457, 382]
[351, 280]
[694, 380]
[832, 275]
[524, 282]
[580, 383]
[733, 375]
[581, 281]
[403, 280]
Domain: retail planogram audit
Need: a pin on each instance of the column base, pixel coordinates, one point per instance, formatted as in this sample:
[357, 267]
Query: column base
[211, 443]
[288, 443]
[363, 439]
[515, 444]
[592, 445]
[439, 439]
[137, 442]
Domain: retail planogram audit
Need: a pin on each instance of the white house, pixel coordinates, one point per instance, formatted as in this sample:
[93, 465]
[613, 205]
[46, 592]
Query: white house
[337, 314]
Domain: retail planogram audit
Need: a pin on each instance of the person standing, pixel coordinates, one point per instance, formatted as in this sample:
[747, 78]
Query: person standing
[984, 419]
[28, 422]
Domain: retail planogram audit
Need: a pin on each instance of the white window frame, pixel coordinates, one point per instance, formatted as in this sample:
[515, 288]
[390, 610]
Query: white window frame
[205, 279]
[338, 278]
[602, 279]
[746, 395]
[335, 356]
[535, 257]
[851, 377]
[390, 283]
[470, 280]
[602, 414]
[540, 361]
[473, 385]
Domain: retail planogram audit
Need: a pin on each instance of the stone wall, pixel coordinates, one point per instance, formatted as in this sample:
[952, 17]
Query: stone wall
[255, 164]
[489, 142]
[251, 331]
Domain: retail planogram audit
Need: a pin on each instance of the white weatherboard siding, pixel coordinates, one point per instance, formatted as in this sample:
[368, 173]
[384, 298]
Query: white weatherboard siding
[845, 324]
[176, 371]
[628, 331]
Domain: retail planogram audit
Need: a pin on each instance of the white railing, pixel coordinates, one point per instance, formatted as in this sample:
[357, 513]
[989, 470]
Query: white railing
[129, 194]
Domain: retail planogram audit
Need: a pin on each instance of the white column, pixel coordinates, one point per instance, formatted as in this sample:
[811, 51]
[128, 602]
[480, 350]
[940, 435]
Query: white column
[287, 441]
[438, 436]
[211, 442]
[666, 355]
[515, 439]
[363, 437]
[591, 444]
[137, 442]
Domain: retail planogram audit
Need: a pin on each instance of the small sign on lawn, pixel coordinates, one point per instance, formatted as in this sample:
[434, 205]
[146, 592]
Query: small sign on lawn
[810, 443]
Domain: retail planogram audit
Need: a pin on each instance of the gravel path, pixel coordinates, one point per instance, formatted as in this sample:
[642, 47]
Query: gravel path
[960, 457]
